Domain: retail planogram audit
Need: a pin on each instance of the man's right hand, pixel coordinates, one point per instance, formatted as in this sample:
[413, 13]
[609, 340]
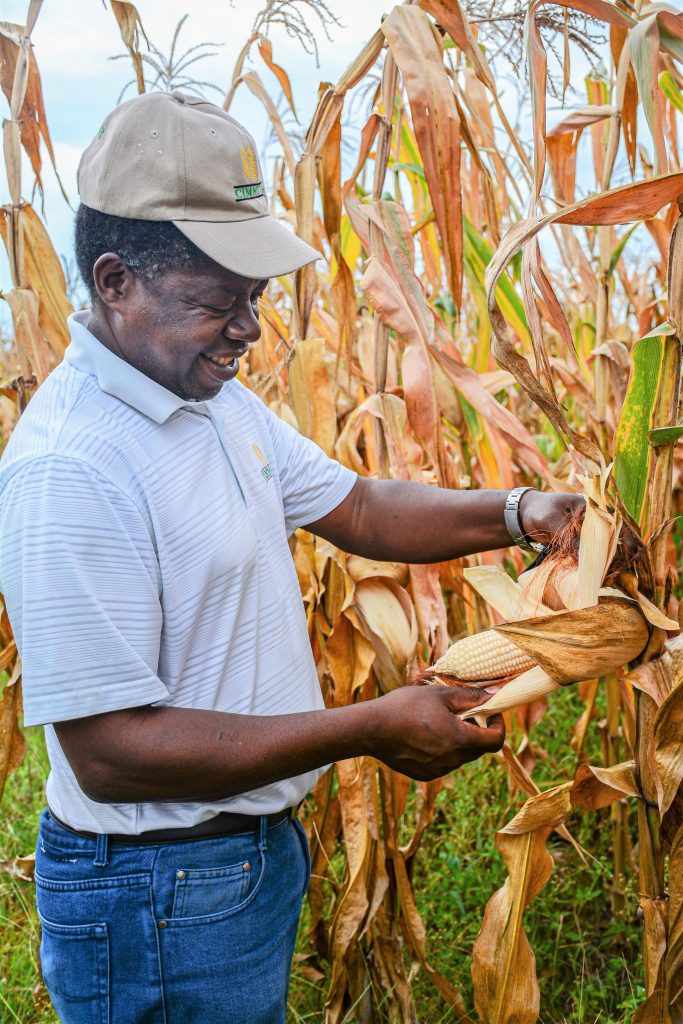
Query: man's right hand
[418, 731]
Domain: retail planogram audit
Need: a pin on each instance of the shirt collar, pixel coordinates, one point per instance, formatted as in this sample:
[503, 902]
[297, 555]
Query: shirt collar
[120, 379]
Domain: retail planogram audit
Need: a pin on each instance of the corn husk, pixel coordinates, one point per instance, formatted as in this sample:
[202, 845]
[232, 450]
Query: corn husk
[566, 620]
[531, 685]
[582, 644]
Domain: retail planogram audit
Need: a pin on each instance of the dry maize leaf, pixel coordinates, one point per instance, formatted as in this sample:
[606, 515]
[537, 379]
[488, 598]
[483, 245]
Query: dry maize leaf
[668, 746]
[31, 116]
[503, 964]
[675, 278]
[390, 302]
[44, 271]
[453, 19]
[21, 868]
[349, 656]
[360, 568]
[596, 787]
[388, 619]
[509, 598]
[12, 742]
[660, 31]
[131, 29]
[265, 48]
[414, 931]
[630, 202]
[582, 644]
[357, 796]
[651, 612]
[530, 686]
[514, 432]
[653, 678]
[673, 963]
[310, 389]
[418, 52]
[35, 356]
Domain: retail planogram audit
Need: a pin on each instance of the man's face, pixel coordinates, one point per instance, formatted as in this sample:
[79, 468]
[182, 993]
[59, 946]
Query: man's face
[187, 329]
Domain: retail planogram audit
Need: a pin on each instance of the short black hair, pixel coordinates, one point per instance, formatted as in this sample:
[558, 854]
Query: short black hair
[147, 247]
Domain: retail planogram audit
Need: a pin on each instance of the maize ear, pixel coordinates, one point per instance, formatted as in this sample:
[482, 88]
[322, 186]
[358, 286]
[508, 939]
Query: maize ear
[486, 655]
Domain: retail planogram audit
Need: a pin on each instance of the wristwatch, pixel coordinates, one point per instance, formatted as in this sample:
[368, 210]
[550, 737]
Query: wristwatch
[513, 523]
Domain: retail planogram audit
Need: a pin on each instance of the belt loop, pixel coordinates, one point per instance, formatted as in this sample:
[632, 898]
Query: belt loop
[263, 833]
[102, 851]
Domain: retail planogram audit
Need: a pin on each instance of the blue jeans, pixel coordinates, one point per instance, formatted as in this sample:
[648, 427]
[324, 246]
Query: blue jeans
[200, 931]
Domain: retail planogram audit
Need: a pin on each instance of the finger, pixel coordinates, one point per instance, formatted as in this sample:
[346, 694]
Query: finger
[462, 697]
[485, 739]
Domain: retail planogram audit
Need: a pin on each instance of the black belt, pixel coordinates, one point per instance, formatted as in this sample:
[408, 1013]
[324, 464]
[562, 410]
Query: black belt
[224, 824]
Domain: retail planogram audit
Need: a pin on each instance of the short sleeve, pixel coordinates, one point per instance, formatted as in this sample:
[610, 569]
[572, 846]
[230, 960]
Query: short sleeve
[80, 579]
[312, 484]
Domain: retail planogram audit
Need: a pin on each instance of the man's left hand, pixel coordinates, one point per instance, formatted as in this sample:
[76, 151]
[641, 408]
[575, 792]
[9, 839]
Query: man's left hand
[543, 514]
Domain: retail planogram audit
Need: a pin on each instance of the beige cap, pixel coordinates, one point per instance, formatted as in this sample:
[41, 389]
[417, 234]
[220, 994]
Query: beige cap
[170, 156]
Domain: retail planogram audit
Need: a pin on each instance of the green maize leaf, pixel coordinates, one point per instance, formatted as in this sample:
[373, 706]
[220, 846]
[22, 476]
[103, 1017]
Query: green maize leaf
[671, 90]
[665, 435]
[616, 255]
[477, 253]
[653, 363]
[412, 168]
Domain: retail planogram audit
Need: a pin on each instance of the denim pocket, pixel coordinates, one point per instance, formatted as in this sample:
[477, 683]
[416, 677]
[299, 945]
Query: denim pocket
[75, 966]
[203, 892]
[301, 832]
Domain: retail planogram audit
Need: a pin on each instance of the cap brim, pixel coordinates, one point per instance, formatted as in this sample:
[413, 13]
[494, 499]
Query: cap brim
[259, 247]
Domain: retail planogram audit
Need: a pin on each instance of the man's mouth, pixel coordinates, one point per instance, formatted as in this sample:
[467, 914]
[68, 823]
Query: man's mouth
[223, 361]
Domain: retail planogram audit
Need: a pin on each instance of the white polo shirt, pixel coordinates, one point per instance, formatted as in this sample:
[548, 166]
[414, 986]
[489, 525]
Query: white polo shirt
[144, 560]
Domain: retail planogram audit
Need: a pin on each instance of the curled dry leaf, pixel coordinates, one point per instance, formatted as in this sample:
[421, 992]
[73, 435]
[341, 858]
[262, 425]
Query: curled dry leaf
[387, 615]
[582, 644]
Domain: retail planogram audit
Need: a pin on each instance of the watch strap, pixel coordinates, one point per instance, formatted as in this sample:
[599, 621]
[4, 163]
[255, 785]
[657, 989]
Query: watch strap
[513, 522]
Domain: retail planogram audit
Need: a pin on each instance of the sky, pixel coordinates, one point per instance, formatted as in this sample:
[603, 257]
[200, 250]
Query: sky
[74, 41]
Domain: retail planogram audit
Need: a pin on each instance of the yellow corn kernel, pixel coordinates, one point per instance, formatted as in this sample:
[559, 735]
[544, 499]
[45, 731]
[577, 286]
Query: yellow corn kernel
[486, 655]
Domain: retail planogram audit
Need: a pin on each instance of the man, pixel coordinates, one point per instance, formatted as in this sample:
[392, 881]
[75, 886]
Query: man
[146, 498]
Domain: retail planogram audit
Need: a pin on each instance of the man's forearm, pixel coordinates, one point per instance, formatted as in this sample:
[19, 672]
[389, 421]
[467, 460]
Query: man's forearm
[398, 520]
[166, 753]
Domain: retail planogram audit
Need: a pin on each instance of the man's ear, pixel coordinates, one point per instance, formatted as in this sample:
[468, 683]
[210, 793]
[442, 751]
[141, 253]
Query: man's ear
[114, 281]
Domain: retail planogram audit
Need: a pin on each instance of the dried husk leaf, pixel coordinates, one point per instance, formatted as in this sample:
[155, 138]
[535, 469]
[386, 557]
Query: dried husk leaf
[585, 643]
[595, 546]
[508, 598]
[531, 685]
[388, 618]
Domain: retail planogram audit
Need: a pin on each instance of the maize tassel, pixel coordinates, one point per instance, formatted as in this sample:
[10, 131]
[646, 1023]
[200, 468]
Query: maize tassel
[486, 655]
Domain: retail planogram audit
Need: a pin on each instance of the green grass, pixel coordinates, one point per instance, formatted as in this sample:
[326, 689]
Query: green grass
[588, 959]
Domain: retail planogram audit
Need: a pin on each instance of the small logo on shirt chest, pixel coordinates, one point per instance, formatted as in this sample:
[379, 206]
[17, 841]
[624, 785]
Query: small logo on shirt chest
[266, 471]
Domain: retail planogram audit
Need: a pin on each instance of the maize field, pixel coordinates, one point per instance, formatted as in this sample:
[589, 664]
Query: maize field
[479, 320]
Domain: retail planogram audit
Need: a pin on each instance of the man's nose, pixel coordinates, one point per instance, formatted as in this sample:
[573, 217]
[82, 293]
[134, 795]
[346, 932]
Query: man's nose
[244, 323]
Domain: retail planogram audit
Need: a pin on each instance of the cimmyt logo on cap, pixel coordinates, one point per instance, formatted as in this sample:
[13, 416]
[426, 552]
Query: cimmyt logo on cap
[254, 188]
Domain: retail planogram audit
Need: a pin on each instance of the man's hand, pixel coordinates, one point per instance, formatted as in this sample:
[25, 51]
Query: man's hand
[419, 733]
[542, 515]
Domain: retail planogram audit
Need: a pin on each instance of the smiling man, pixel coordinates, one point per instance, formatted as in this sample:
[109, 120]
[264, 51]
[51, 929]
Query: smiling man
[146, 500]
